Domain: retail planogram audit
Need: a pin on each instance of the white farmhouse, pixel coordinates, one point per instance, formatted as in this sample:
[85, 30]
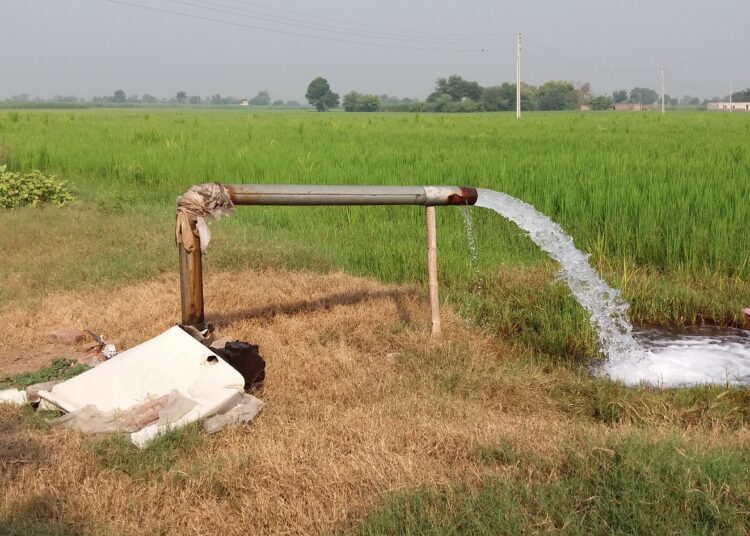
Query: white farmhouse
[729, 106]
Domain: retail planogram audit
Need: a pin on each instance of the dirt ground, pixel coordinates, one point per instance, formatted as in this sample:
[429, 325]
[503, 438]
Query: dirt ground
[360, 403]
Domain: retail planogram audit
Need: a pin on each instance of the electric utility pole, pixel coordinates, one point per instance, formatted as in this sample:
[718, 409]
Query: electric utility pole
[663, 86]
[518, 75]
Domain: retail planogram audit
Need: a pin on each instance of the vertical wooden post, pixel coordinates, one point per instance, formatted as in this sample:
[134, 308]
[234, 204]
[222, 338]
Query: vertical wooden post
[191, 282]
[432, 270]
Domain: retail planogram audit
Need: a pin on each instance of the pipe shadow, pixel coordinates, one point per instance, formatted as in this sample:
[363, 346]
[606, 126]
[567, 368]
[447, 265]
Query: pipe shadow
[307, 306]
[39, 515]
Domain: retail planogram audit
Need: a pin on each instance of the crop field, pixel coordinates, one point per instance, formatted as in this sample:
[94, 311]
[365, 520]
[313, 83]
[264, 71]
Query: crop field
[387, 433]
[661, 203]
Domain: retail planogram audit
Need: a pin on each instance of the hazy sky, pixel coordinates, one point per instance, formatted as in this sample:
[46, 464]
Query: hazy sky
[92, 47]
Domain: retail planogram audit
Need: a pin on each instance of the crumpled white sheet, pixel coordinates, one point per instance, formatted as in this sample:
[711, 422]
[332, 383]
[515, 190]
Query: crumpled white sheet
[171, 364]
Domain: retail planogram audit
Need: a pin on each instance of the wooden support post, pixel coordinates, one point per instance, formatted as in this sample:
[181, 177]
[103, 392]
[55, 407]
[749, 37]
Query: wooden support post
[191, 282]
[432, 270]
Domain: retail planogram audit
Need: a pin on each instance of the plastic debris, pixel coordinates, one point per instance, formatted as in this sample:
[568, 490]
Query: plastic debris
[13, 396]
[168, 381]
[240, 414]
[32, 391]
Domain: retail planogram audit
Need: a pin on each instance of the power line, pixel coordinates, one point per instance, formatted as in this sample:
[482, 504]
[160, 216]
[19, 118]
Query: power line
[344, 27]
[292, 33]
[567, 63]
[349, 23]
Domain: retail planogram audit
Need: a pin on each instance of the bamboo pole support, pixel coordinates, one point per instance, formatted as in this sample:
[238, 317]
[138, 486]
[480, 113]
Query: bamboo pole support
[432, 270]
[191, 282]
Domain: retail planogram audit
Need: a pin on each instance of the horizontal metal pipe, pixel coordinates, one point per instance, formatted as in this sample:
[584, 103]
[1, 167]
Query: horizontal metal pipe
[298, 195]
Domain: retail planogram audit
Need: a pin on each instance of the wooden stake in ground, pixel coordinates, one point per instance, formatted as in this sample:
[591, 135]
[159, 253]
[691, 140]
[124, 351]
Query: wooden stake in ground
[432, 270]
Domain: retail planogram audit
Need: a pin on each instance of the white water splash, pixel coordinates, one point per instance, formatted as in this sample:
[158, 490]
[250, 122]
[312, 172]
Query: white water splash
[680, 359]
[472, 241]
[669, 361]
[605, 305]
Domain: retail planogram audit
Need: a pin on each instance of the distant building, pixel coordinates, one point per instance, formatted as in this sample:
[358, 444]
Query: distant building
[585, 108]
[629, 107]
[244, 102]
[729, 106]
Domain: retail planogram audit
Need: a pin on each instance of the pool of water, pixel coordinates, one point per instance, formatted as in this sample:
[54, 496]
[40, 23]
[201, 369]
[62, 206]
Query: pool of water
[685, 357]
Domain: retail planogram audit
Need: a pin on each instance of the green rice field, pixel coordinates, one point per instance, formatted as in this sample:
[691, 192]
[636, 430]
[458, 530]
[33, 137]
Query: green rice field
[661, 203]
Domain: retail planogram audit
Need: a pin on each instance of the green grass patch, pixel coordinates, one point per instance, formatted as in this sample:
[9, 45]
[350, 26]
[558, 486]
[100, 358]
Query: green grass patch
[633, 487]
[160, 455]
[59, 370]
[613, 403]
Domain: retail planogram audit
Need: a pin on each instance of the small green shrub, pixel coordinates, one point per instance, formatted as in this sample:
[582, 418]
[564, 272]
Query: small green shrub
[32, 188]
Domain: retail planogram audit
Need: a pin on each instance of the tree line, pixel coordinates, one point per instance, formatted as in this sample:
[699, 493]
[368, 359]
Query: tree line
[455, 94]
[120, 98]
[451, 94]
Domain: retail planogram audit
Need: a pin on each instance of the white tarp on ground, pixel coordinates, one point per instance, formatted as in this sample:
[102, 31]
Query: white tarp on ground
[13, 396]
[168, 381]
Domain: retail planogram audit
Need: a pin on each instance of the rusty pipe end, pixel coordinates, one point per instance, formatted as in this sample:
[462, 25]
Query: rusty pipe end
[449, 195]
[468, 196]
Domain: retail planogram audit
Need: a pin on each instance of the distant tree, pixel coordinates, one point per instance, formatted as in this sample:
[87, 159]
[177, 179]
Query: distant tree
[503, 98]
[119, 96]
[674, 101]
[557, 95]
[350, 101]
[293, 104]
[133, 98]
[643, 95]
[278, 102]
[584, 93]
[194, 99]
[261, 99]
[495, 99]
[181, 97]
[442, 102]
[602, 102]
[148, 98]
[319, 94]
[695, 101]
[356, 102]
[741, 96]
[619, 96]
[457, 88]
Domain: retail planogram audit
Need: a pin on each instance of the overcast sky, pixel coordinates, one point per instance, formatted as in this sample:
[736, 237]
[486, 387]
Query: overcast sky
[92, 47]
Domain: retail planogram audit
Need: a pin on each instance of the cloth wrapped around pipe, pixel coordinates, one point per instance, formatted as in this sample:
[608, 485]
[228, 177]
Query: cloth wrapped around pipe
[201, 203]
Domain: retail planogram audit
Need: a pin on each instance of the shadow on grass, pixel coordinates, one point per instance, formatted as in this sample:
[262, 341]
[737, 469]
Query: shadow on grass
[38, 517]
[326, 302]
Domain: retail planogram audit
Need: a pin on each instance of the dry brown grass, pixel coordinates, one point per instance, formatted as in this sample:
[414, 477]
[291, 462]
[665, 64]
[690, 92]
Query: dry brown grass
[360, 403]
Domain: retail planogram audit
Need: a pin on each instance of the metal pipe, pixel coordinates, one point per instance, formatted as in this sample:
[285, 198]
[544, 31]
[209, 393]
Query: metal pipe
[191, 269]
[298, 195]
[432, 276]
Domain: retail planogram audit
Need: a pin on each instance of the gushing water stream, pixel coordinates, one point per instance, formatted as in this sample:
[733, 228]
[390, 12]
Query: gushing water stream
[671, 362]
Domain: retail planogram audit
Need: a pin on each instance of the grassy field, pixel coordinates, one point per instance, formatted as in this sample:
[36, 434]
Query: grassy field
[495, 428]
[661, 203]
